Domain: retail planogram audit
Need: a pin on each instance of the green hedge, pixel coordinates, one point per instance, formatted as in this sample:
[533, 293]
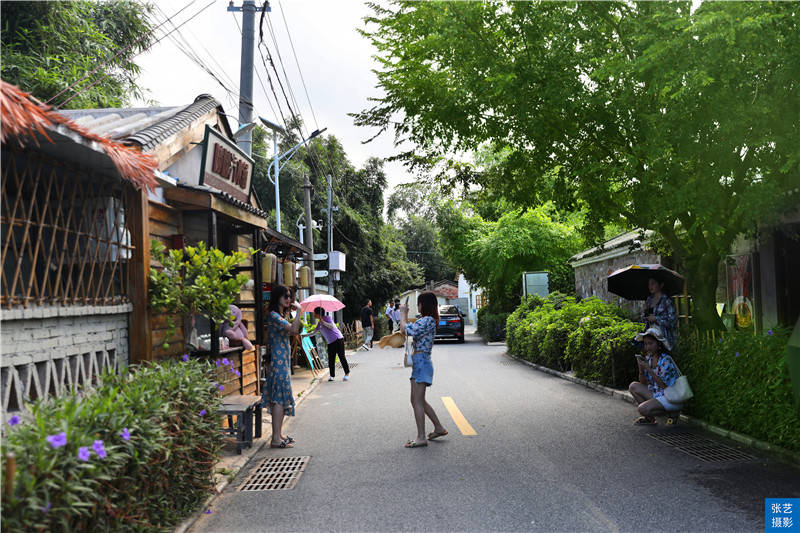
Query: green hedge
[138, 454]
[491, 326]
[541, 330]
[741, 382]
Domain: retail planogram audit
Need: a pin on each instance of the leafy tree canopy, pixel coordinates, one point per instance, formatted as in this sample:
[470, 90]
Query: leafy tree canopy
[48, 46]
[644, 114]
[494, 255]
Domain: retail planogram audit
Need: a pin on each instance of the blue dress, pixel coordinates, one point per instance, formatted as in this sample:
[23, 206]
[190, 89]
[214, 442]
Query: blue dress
[278, 388]
[423, 331]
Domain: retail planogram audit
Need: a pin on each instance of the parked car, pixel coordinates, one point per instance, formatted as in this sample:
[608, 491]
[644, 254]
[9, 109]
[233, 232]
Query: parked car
[451, 323]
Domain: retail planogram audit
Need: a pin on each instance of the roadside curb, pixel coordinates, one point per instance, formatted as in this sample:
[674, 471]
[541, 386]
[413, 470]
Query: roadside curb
[251, 452]
[692, 421]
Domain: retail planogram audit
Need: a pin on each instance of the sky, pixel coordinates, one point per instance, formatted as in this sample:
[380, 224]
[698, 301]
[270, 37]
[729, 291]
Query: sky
[334, 59]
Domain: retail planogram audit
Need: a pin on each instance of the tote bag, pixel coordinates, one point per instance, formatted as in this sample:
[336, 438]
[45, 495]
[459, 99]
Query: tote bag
[680, 391]
[408, 359]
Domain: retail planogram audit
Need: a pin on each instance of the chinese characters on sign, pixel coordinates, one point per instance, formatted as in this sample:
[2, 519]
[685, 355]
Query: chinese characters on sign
[779, 514]
[226, 167]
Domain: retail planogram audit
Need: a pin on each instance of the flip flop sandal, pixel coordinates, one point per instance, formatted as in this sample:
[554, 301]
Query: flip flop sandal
[645, 421]
[415, 444]
[283, 444]
[290, 440]
[434, 435]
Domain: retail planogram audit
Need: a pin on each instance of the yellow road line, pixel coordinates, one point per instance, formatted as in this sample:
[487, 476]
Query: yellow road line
[458, 418]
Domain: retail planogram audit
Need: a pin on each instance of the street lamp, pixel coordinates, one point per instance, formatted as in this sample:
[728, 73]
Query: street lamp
[277, 165]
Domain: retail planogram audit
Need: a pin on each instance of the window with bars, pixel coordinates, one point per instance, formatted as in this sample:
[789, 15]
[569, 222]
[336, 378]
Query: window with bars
[65, 235]
[480, 301]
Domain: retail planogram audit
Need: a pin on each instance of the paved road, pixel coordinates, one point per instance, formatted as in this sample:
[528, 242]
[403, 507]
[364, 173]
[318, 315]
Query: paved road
[549, 455]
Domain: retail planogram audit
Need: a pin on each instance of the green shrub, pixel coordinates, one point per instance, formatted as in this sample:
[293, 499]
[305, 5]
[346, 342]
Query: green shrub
[492, 326]
[741, 382]
[150, 481]
[539, 329]
[600, 350]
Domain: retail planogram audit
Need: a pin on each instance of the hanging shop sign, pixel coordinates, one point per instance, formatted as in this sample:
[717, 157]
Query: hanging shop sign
[225, 166]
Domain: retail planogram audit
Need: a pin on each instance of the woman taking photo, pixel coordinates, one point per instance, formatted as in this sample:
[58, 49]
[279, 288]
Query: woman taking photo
[423, 331]
[277, 396]
[657, 371]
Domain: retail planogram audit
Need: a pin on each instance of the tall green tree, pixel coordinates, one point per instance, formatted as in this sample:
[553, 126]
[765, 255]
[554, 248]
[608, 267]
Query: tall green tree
[494, 254]
[377, 265]
[644, 114]
[48, 46]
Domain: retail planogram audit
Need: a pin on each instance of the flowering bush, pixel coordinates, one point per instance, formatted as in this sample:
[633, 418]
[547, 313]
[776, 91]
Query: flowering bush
[134, 453]
[741, 382]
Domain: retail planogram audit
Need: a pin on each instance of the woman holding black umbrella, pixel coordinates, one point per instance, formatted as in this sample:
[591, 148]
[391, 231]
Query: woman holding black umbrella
[660, 311]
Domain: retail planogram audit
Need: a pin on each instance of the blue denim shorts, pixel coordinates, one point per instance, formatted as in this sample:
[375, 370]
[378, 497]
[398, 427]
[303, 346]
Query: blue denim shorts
[423, 368]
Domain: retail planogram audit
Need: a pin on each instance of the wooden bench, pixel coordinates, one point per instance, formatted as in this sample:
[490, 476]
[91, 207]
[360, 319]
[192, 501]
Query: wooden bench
[244, 408]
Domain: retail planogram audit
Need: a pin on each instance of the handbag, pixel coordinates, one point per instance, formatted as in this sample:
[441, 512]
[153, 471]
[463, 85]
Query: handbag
[408, 355]
[680, 391]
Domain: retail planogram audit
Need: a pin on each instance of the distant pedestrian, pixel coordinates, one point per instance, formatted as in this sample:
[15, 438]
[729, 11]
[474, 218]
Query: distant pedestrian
[423, 331]
[368, 323]
[390, 316]
[657, 371]
[397, 314]
[277, 395]
[335, 341]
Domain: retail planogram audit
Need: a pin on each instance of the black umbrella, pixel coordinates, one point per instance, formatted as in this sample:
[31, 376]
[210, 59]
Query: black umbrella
[631, 282]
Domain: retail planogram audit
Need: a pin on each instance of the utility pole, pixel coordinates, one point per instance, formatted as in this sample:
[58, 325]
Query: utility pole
[331, 289]
[309, 230]
[248, 10]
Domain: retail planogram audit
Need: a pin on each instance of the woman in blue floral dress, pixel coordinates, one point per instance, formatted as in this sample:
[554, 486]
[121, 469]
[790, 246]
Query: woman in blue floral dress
[277, 395]
[423, 331]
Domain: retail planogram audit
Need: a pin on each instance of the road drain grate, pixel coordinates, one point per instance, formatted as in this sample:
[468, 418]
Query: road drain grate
[704, 449]
[275, 473]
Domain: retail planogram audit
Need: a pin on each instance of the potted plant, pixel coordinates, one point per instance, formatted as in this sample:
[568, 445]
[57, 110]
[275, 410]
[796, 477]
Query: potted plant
[195, 280]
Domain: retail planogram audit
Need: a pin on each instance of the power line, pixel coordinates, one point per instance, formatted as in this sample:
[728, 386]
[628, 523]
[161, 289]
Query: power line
[298, 65]
[136, 54]
[101, 65]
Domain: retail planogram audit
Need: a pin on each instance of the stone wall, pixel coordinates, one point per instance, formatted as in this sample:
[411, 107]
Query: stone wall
[590, 279]
[47, 351]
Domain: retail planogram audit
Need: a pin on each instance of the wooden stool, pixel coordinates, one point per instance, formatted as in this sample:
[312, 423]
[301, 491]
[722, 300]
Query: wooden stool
[243, 408]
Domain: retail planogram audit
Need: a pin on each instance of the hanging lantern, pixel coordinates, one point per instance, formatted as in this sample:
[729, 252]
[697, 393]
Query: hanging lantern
[305, 277]
[289, 273]
[269, 269]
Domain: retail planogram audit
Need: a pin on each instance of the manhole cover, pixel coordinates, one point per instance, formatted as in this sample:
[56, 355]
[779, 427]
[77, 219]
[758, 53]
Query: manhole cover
[705, 449]
[275, 473]
[339, 365]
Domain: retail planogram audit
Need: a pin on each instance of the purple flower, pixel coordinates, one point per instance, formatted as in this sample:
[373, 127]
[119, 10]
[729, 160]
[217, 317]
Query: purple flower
[217, 362]
[13, 421]
[207, 511]
[203, 412]
[84, 453]
[769, 332]
[720, 340]
[185, 358]
[225, 361]
[126, 435]
[238, 374]
[221, 387]
[718, 352]
[47, 507]
[738, 354]
[57, 441]
[99, 449]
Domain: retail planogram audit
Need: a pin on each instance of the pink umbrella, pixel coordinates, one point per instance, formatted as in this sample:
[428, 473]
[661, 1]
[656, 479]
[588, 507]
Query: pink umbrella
[325, 301]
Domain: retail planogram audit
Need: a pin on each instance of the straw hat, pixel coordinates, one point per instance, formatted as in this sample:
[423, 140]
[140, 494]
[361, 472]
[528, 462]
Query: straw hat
[656, 333]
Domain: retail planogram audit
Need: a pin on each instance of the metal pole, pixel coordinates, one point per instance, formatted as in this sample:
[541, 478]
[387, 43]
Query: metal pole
[309, 231]
[277, 182]
[246, 75]
[330, 232]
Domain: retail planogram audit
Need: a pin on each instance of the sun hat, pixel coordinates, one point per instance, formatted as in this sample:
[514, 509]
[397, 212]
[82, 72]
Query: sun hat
[656, 333]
